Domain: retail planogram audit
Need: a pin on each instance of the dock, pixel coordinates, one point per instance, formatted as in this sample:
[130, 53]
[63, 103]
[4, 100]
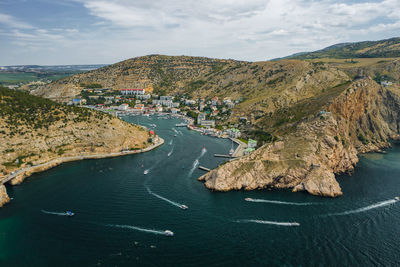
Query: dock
[204, 169]
[223, 156]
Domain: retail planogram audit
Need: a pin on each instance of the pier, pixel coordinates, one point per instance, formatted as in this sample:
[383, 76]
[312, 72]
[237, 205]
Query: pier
[204, 169]
[223, 156]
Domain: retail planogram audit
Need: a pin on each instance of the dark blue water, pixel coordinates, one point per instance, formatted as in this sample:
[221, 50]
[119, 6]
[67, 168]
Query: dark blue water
[118, 221]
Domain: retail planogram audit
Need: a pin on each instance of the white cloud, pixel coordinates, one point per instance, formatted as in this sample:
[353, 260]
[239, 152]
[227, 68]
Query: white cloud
[12, 22]
[239, 29]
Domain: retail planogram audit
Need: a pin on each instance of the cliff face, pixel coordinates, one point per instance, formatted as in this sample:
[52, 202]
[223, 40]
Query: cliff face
[309, 153]
[4, 199]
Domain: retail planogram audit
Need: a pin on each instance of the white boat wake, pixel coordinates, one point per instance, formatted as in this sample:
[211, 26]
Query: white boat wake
[55, 213]
[170, 153]
[175, 130]
[131, 227]
[269, 222]
[196, 161]
[370, 207]
[280, 202]
[170, 142]
[176, 204]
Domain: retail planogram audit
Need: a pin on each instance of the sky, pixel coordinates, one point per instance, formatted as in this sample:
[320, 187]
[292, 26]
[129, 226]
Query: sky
[56, 32]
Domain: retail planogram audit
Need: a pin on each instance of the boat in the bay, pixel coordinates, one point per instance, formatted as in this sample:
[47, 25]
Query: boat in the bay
[146, 172]
[396, 198]
[248, 199]
[69, 213]
[184, 207]
[168, 233]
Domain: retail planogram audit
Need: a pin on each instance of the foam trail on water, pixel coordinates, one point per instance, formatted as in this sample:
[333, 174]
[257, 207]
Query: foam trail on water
[163, 198]
[280, 202]
[170, 153]
[170, 142]
[195, 165]
[370, 207]
[54, 213]
[196, 161]
[175, 130]
[269, 222]
[181, 132]
[151, 231]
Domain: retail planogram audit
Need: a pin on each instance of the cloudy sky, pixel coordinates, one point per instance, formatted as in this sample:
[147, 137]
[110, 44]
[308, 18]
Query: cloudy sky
[106, 31]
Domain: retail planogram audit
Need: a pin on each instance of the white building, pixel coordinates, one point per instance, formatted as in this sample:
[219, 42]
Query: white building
[144, 97]
[132, 91]
[190, 102]
[207, 123]
[200, 118]
[123, 107]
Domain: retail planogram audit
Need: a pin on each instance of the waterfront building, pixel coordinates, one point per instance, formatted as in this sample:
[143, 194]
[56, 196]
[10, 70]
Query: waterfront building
[123, 107]
[200, 118]
[248, 150]
[252, 143]
[233, 133]
[207, 123]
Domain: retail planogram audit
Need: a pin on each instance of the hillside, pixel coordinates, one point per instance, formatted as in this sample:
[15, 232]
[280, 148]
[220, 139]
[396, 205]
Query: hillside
[161, 73]
[362, 117]
[313, 116]
[34, 130]
[368, 49]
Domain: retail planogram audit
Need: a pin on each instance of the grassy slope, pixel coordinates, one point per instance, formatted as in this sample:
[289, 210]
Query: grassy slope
[369, 49]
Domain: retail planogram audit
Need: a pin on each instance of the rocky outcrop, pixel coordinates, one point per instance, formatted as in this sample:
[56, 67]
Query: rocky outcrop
[363, 118]
[4, 199]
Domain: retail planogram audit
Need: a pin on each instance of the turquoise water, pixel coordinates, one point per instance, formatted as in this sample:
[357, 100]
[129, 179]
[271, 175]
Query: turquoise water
[120, 214]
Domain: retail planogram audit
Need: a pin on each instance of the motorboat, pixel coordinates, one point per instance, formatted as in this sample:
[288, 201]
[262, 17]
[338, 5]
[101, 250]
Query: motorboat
[146, 172]
[168, 233]
[184, 207]
[175, 135]
[396, 198]
[248, 199]
[69, 213]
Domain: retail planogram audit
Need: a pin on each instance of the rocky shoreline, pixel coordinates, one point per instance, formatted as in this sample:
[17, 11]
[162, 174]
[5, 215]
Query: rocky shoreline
[20, 175]
[310, 153]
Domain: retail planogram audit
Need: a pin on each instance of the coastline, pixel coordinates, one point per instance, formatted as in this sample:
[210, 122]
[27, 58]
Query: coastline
[20, 175]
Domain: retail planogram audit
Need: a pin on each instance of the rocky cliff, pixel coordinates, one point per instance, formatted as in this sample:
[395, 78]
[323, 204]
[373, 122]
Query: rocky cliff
[4, 199]
[308, 154]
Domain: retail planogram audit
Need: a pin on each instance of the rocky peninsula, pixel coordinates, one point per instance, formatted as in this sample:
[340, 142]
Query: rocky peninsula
[308, 153]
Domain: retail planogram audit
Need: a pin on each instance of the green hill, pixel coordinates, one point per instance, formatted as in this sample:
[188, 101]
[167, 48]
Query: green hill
[369, 49]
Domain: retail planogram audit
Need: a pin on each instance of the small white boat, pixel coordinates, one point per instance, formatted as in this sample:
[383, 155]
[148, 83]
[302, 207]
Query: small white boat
[174, 135]
[168, 233]
[396, 198]
[146, 172]
[248, 199]
[184, 207]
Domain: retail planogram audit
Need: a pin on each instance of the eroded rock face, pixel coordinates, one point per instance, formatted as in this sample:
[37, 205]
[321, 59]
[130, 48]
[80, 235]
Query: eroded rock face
[4, 199]
[362, 119]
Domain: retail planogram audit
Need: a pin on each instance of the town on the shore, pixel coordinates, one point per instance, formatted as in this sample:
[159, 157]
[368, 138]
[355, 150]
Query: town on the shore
[201, 114]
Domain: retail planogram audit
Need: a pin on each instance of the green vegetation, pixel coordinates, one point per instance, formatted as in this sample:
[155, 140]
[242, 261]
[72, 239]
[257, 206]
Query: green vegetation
[21, 109]
[91, 85]
[24, 77]
[369, 49]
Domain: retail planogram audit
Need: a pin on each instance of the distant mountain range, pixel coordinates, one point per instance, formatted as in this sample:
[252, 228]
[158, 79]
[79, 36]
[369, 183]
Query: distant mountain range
[55, 68]
[388, 48]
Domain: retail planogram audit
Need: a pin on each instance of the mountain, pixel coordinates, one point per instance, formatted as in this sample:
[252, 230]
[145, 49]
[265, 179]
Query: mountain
[388, 48]
[311, 117]
[35, 131]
